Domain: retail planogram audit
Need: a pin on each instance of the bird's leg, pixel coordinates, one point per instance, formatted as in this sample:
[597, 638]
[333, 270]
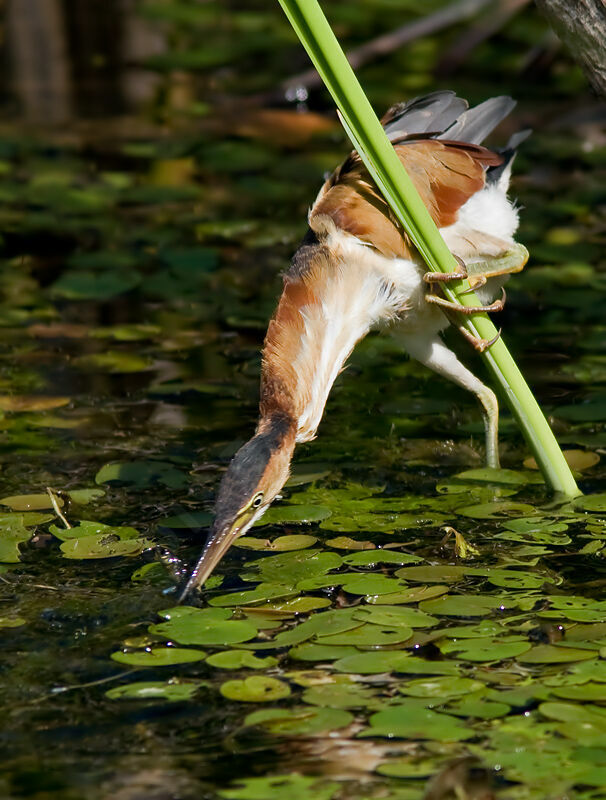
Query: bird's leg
[439, 358]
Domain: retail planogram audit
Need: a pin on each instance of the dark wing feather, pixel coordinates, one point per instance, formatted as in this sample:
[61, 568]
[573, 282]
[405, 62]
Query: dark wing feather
[475, 124]
[432, 113]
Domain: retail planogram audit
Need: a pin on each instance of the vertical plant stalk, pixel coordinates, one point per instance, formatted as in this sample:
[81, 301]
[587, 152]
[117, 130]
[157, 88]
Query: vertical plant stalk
[369, 139]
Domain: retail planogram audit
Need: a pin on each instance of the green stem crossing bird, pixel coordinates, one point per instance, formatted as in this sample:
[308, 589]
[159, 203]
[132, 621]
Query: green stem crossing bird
[355, 269]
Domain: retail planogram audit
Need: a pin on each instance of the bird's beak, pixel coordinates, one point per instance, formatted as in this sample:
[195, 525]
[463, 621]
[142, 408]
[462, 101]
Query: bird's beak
[222, 535]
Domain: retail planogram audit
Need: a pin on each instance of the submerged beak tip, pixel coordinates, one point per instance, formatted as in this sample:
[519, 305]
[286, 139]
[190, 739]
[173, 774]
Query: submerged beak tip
[222, 534]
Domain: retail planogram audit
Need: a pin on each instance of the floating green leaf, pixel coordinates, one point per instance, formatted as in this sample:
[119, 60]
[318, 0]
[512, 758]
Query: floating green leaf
[158, 657]
[370, 558]
[473, 605]
[413, 721]
[342, 695]
[154, 690]
[187, 520]
[292, 567]
[294, 515]
[372, 663]
[485, 649]
[240, 659]
[142, 474]
[368, 636]
[395, 616]
[295, 541]
[293, 786]
[300, 720]
[205, 627]
[552, 654]
[256, 689]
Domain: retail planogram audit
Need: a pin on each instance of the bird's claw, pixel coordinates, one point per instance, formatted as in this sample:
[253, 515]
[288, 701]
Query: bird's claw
[498, 305]
[477, 342]
[443, 277]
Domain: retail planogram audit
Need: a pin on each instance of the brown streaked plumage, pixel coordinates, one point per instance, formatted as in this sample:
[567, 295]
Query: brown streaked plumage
[356, 268]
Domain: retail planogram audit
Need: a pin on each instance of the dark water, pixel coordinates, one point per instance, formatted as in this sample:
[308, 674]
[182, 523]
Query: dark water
[147, 212]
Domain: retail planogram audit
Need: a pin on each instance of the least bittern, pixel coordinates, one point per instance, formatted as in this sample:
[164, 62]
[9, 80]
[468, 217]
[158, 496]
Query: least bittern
[356, 268]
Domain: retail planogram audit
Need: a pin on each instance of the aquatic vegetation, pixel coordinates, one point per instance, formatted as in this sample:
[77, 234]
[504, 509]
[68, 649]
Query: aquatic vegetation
[131, 319]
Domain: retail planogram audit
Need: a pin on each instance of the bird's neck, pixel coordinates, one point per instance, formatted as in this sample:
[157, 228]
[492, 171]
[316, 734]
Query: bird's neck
[324, 310]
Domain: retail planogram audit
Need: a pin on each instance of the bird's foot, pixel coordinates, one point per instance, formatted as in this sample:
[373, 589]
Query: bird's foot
[498, 305]
[443, 277]
[477, 342]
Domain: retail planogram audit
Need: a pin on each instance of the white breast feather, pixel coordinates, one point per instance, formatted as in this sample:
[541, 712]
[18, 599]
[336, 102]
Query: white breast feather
[360, 292]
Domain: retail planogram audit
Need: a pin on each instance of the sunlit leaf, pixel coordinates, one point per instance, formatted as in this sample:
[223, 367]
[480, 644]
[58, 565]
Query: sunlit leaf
[240, 659]
[256, 689]
[300, 720]
[154, 690]
[412, 721]
[293, 786]
[204, 627]
[158, 657]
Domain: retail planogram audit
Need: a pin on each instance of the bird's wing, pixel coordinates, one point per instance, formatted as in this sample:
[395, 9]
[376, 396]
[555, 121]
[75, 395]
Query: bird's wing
[446, 174]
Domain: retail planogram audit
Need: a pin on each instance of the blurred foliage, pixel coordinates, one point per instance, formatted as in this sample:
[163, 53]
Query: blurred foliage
[139, 264]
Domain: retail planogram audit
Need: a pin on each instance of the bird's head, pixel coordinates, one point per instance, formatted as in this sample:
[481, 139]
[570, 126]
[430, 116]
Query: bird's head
[255, 476]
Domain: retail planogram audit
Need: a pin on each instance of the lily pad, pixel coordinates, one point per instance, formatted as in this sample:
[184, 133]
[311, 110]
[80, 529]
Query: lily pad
[154, 690]
[347, 543]
[372, 584]
[433, 574]
[368, 636]
[413, 594]
[412, 721]
[292, 567]
[311, 651]
[142, 474]
[395, 616]
[295, 541]
[552, 654]
[441, 688]
[472, 605]
[29, 502]
[256, 689]
[260, 594]
[293, 786]
[342, 695]
[484, 650]
[294, 515]
[240, 659]
[187, 520]
[86, 527]
[104, 545]
[591, 502]
[199, 627]
[477, 707]
[498, 510]
[158, 657]
[370, 558]
[372, 663]
[300, 720]
[505, 476]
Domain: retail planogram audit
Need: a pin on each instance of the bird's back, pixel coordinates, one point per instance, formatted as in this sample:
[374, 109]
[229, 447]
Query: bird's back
[437, 138]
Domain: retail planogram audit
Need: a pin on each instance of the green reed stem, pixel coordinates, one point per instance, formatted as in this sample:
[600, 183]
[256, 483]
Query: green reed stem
[377, 153]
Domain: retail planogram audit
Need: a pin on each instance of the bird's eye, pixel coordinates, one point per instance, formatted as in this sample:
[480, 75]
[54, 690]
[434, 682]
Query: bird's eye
[257, 500]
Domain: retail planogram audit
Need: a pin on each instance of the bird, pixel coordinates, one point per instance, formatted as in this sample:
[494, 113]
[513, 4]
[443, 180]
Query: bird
[356, 269]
